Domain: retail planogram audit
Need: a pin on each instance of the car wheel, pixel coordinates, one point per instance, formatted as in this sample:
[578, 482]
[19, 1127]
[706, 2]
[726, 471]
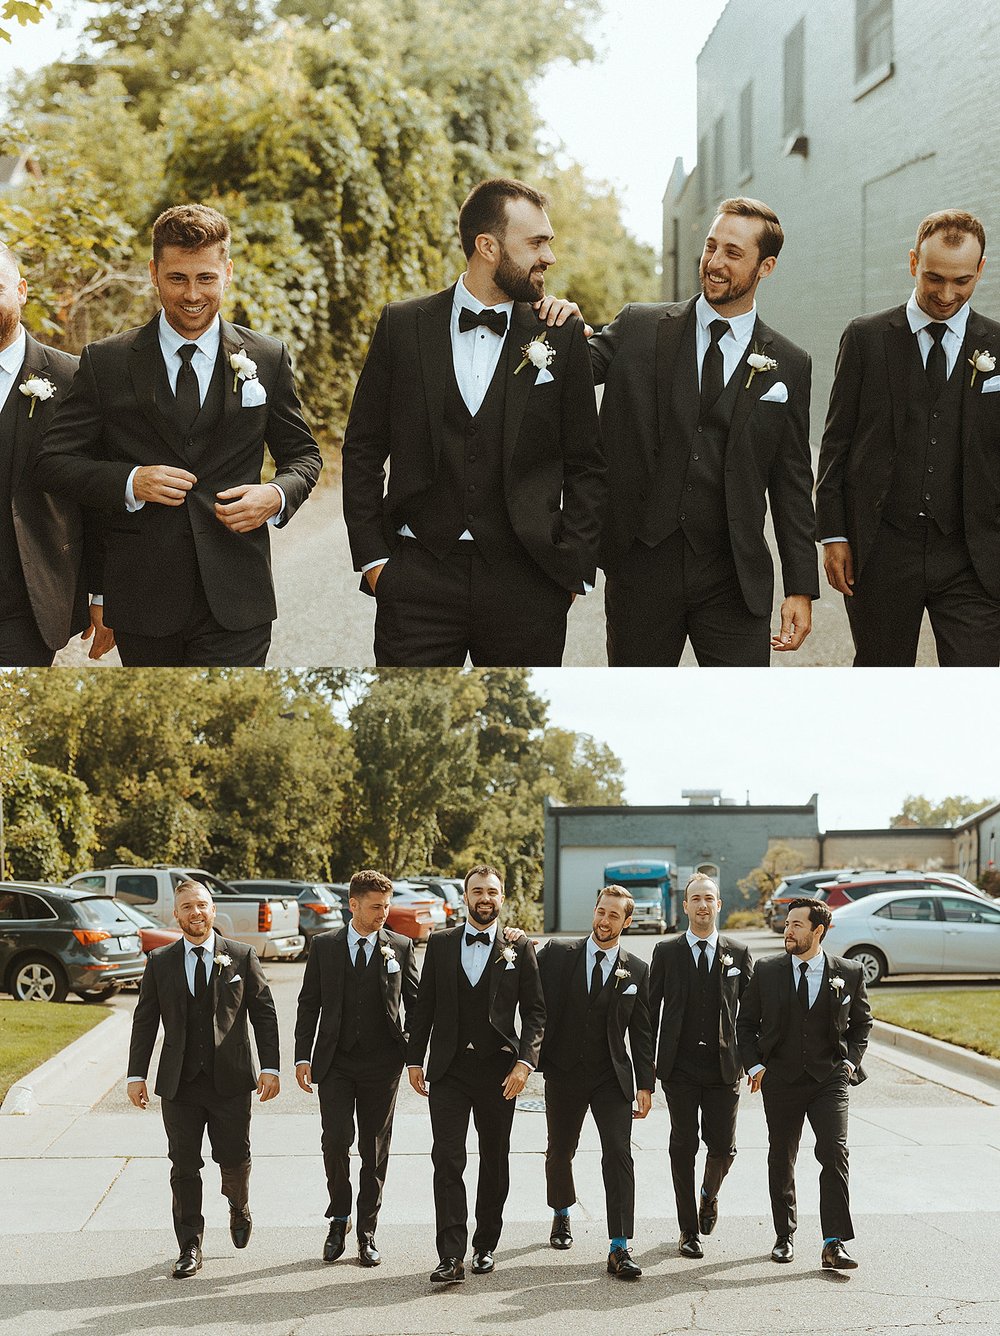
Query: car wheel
[38, 979]
[872, 962]
[100, 994]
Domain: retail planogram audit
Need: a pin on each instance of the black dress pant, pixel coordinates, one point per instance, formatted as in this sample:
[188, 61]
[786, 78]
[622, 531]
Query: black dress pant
[786, 1106]
[567, 1099]
[471, 1085]
[200, 643]
[656, 598]
[363, 1085]
[21, 646]
[435, 613]
[197, 1106]
[910, 570]
[688, 1098]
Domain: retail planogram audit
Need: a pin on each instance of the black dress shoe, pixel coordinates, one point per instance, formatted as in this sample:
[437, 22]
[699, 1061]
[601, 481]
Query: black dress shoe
[368, 1254]
[482, 1262]
[448, 1271]
[783, 1250]
[689, 1245]
[240, 1225]
[336, 1240]
[188, 1263]
[836, 1255]
[621, 1265]
[708, 1214]
[560, 1236]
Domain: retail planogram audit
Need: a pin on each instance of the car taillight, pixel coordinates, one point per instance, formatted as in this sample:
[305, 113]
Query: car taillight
[263, 917]
[449, 910]
[88, 936]
[316, 906]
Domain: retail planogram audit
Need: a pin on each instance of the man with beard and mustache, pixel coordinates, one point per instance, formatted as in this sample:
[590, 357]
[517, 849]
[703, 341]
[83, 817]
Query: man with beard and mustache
[471, 985]
[490, 521]
[705, 419]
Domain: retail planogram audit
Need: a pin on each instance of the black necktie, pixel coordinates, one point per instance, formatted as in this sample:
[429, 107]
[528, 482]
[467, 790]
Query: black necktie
[495, 320]
[471, 938]
[200, 972]
[187, 394]
[713, 377]
[597, 975]
[361, 959]
[703, 962]
[803, 989]
[937, 363]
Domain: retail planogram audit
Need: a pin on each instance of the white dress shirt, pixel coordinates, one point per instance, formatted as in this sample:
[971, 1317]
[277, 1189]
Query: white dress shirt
[607, 964]
[11, 362]
[476, 957]
[354, 937]
[712, 941]
[733, 344]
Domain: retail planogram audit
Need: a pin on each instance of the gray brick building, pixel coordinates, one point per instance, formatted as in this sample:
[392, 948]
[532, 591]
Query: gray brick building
[853, 119]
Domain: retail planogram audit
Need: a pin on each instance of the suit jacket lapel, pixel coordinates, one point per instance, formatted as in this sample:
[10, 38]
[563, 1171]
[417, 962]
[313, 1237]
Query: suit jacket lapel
[670, 400]
[434, 351]
[145, 361]
[524, 326]
[976, 341]
[380, 964]
[761, 341]
[230, 343]
[25, 422]
[899, 349]
[497, 965]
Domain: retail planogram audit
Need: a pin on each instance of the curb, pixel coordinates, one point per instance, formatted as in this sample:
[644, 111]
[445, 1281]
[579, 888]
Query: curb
[78, 1075]
[962, 1061]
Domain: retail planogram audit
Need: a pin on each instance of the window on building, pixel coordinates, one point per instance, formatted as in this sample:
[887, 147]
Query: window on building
[872, 36]
[703, 172]
[746, 132]
[719, 157]
[795, 79]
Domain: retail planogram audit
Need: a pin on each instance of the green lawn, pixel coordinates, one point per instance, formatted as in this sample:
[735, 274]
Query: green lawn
[30, 1032]
[969, 1016]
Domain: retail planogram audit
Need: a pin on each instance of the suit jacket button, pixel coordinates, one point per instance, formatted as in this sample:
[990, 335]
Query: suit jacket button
[696, 456]
[682, 516]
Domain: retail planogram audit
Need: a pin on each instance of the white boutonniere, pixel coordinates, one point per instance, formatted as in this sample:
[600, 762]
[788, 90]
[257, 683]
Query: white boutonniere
[537, 353]
[727, 960]
[244, 368]
[981, 361]
[222, 959]
[836, 983]
[508, 954]
[37, 387]
[387, 952]
[758, 362]
[622, 973]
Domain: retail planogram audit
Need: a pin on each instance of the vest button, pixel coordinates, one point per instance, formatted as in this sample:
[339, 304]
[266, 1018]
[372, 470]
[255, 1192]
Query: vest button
[933, 440]
[472, 459]
[700, 430]
[689, 488]
[695, 456]
[469, 516]
[682, 516]
[930, 468]
[472, 487]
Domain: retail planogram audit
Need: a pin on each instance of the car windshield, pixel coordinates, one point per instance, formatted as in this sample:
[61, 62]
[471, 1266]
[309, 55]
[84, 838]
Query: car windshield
[137, 916]
[320, 895]
[102, 912]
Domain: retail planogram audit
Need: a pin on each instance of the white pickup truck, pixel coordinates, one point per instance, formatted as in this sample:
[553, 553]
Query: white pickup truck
[269, 924]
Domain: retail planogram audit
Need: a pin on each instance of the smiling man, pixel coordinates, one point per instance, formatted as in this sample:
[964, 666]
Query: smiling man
[490, 520]
[909, 471]
[163, 432]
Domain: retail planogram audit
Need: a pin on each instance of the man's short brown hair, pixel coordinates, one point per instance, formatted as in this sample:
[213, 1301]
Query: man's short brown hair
[819, 913]
[771, 238]
[702, 876]
[953, 225]
[618, 893]
[189, 884]
[191, 227]
[483, 870]
[369, 882]
[485, 209]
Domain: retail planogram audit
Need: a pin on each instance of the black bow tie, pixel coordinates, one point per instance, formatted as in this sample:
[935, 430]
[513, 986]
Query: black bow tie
[471, 938]
[495, 320]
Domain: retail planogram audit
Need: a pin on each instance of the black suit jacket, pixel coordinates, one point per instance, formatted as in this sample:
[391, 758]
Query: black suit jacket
[553, 465]
[764, 1011]
[110, 422]
[435, 1017]
[645, 415]
[628, 1013]
[59, 553]
[321, 997]
[240, 993]
[864, 432]
[669, 979]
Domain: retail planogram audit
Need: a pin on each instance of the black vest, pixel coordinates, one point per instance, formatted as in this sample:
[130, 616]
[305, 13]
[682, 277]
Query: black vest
[927, 476]
[584, 1051]
[14, 601]
[698, 1045]
[362, 1019]
[468, 491]
[474, 1014]
[807, 1046]
[199, 1037]
[212, 405]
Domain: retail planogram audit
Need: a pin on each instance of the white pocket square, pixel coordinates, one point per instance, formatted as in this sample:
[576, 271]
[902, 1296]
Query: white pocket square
[991, 386]
[630, 990]
[544, 376]
[237, 978]
[392, 967]
[846, 1000]
[777, 394]
[511, 965]
[734, 970]
[253, 394]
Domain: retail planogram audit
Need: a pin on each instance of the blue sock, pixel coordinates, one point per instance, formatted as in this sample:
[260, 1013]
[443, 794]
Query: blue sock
[341, 1219]
[617, 1243]
[561, 1210]
[826, 1241]
[703, 1192]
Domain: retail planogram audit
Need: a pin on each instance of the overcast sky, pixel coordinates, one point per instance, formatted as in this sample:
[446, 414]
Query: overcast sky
[861, 740]
[625, 117]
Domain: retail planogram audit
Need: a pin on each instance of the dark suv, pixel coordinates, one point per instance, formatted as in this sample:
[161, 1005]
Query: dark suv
[55, 940]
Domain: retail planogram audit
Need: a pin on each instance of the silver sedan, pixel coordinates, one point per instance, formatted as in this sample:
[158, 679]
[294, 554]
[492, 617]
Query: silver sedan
[913, 932]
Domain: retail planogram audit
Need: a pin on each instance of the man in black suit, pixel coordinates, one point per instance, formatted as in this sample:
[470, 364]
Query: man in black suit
[490, 523]
[357, 980]
[698, 979]
[802, 1031]
[908, 500]
[705, 419]
[204, 988]
[163, 432]
[471, 985]
[596, 993]
[46, 560]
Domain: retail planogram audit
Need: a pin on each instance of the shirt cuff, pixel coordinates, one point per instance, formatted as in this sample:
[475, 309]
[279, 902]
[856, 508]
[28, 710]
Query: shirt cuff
[300, 1062]
[758, 1067]
[131, 1080]
[370, 566]
[269, 1071]
[131, 504]
[97, 600]
[524, 1063]
[587, 589]
[276, 519]
[838, 539]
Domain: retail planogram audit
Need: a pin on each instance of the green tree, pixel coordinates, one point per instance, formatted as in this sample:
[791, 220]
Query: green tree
[761, 882]
[920, 811]
[48, 824]
[22, 12]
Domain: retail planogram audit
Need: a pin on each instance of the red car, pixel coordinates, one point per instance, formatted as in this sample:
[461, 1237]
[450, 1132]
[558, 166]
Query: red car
[415, 911]
[152, 933]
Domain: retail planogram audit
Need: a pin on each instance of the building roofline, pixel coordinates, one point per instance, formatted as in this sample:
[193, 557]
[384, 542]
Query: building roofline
[926, 831]
[685, 809]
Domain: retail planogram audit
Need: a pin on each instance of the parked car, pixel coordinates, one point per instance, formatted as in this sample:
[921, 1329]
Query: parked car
[452, 892]
[930, 931]
[153, 932]
[816, 885]
[55, 940]
[320, 908]
[843, 892]
[414, 911]
[270, 926]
